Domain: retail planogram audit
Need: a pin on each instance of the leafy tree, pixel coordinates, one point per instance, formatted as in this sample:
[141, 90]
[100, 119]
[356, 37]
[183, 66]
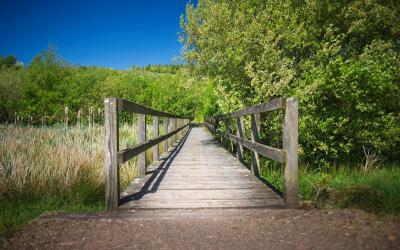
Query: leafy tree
[339, 58]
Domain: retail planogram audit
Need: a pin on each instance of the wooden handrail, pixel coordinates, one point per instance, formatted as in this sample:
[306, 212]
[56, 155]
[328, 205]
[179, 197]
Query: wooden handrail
[114, 156]
[288, 155]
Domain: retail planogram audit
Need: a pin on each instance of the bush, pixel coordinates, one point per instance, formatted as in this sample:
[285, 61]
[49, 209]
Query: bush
[339, 58]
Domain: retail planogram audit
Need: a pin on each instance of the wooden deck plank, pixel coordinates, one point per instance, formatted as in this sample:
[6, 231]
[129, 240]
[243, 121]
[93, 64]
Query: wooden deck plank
[200, 174]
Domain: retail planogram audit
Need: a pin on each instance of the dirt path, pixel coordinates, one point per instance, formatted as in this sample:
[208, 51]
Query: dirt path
[211, 229]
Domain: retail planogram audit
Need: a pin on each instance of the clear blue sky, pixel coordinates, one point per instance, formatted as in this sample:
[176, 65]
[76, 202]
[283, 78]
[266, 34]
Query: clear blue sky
[111, 33]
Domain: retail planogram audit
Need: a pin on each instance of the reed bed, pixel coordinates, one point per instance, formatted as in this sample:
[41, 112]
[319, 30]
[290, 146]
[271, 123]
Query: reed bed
[57, 161]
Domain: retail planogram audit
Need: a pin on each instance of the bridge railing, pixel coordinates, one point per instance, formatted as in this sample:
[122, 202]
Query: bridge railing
[114, 156]
[287, 155]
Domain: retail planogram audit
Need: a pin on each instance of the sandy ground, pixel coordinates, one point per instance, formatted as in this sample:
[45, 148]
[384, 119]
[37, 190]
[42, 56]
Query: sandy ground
[210, 229]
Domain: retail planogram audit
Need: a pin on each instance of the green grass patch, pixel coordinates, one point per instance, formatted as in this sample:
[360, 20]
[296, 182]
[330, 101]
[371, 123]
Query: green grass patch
[376, 191]
[16, 212]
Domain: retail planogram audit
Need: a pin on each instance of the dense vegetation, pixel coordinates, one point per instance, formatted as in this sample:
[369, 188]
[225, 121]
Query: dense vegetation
[47, 165]
[341, 59]
[49, 84]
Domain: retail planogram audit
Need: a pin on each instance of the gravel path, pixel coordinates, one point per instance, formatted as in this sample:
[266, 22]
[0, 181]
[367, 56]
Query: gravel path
[211, 229]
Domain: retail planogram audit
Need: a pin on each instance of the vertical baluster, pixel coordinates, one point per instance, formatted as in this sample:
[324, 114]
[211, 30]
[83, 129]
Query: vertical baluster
[174, 121]
[165, 126]
[155, 135]
[239, 133]
[141, 128]
[255, 136]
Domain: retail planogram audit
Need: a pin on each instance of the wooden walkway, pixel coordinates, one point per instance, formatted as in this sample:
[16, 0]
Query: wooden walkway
[199, 173]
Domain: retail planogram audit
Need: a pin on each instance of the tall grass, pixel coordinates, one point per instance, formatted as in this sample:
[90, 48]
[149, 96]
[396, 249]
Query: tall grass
[52, 168]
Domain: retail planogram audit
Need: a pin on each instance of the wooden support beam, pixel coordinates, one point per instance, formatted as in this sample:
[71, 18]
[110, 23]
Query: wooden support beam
[239, 133]
[111, 146]
[278, 103]
[156, 151]
[174, 123]
[141, 128]
[127, 154]
[170, 129]
[255, 136]
[165, 126]
[270, 152]
[290, 145]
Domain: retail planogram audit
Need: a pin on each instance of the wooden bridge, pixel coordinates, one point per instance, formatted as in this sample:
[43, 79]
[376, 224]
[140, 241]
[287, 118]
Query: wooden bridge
[199, 168]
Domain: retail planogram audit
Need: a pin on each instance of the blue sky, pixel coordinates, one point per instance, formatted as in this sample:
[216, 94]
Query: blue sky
[112, 33]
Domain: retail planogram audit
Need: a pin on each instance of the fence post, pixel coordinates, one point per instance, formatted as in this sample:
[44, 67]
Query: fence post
[255, 136]
[155, 135]
[165, 126]
[229, 130]
[111, 146]
[290, 144]
[78, 118]
[239, 133]
[66, 116]
[174, 121]
[141, 127]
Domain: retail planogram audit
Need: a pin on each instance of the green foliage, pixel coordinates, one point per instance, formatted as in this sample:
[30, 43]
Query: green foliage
[8, 62]
[339, 58]
[49, 84]
[377, 191]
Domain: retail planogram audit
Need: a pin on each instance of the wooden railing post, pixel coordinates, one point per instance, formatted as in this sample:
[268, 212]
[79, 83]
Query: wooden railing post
[174, 121]
[170, 129]
[141, 128]
[255, 136]
[179, 124]
[165, 126]
[155, 135]
[239, 133]
[111, 144]
[290, 144]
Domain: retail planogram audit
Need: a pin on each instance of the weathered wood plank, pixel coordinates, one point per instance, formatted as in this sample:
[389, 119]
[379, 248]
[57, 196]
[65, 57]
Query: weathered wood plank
[253, 203]
[126, 154]
[141, 134]
[239, 133]
[128, 106]
[174, 125]
[111, 146]
[270, 152]
[156, 151]
[255, 136]
[202, 174]
[290, 145]
[165, 127]
[278, 103]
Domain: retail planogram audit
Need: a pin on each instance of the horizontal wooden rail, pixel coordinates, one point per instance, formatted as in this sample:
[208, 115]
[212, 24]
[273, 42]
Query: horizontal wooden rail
[113, 157]
[278, 103]
[128, 106]
[270, 152]
[288, 155]
[127, 154]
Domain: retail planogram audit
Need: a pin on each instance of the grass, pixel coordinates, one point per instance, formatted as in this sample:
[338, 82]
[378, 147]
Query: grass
[376, 190]
[54, 168]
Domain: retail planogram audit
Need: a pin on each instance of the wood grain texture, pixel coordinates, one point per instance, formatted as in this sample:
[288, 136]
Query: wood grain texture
[111, 145]
[165, 127]
[141, 134]
[255, 136]
[201, 174]
[290, 145]
[155, 135]
[128, 106]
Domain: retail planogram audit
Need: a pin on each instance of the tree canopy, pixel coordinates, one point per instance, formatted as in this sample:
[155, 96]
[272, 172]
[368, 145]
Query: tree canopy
[339, 58]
